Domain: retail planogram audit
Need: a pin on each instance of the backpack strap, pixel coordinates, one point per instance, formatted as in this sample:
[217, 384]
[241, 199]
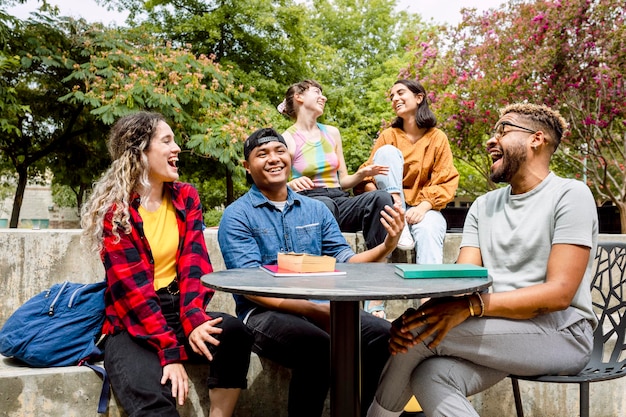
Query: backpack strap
[105, 393]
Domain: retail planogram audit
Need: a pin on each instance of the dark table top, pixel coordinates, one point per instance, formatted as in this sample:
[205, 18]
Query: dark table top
[363, 281]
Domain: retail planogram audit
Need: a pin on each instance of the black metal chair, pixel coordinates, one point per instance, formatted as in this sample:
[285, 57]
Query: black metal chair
[608, 359]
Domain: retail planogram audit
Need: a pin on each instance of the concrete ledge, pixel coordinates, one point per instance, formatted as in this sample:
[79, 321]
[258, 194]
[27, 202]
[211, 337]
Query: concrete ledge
[33, 260]
[74, 391]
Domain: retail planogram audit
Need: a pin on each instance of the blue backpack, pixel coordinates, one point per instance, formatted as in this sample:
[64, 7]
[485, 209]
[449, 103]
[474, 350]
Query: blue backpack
[59, 327]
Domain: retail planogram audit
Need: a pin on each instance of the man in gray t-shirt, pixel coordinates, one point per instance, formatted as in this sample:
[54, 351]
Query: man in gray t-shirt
[537, 237]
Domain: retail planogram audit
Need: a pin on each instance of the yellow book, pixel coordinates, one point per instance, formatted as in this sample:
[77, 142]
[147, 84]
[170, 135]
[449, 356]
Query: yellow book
[303, 262]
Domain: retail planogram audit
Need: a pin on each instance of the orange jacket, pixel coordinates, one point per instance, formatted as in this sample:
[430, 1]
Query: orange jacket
[429, 173]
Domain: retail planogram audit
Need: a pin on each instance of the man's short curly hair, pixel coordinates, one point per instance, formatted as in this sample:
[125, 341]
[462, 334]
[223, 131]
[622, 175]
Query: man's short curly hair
[542, 118]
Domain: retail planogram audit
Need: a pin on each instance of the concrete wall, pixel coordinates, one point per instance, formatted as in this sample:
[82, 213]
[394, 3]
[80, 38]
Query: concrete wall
[33, 260]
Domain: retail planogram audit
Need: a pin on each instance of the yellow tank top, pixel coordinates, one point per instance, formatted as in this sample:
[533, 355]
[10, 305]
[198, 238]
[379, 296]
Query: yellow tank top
[161, 231]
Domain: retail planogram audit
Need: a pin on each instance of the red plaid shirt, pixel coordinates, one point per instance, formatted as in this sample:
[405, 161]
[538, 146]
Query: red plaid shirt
[131, 301]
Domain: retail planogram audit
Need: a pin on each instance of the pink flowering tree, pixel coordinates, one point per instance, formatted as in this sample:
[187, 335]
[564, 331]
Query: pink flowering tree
[569, 55]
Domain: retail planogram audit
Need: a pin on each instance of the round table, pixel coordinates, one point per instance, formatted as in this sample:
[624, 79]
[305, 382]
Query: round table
[362, 281]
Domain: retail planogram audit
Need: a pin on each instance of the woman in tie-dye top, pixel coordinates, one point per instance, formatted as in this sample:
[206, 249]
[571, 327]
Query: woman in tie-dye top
[319, 169]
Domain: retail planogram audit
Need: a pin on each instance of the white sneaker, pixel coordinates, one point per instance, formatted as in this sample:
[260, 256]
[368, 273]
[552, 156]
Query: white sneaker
[406, 241]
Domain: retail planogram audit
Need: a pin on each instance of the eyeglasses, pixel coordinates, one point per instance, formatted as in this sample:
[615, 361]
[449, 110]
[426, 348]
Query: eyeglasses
[499, 132]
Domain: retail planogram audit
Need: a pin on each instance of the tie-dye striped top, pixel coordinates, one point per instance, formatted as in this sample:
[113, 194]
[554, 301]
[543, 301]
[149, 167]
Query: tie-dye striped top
[316, 160]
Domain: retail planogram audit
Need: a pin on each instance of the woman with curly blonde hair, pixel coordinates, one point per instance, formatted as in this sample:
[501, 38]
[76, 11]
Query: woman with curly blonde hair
[147, 227]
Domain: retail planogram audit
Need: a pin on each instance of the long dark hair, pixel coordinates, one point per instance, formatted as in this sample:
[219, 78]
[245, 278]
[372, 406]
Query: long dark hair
[424, 117]
[297, 88]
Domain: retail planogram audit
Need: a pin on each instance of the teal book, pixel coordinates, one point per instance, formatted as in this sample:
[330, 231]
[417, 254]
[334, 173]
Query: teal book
[441, 271]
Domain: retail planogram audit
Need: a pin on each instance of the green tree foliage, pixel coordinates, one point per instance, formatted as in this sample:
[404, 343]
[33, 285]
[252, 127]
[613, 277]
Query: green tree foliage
[350, 39]
[78, 164]
[37, 58]
[202, 56]
[261, 41]
[347, 45]
[569, 55]
[129, 70]
[357, 46]
[63, 82]
[10, 105]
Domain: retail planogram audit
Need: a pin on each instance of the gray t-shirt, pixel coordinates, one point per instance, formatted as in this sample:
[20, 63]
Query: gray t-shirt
[515, 233]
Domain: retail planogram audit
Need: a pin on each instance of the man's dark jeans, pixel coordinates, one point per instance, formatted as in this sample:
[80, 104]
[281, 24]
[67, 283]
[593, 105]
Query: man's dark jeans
[296, 343]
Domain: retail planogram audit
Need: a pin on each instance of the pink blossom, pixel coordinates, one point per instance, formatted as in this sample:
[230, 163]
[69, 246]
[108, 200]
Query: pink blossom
[539, 17]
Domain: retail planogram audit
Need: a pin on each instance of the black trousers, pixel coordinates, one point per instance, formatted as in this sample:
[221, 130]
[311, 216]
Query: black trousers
[135, 370]
[356, 213]
[296, 343]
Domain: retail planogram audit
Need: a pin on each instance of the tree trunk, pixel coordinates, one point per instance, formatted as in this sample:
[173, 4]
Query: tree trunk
[80, 195]
[19, 196]
[230, 188]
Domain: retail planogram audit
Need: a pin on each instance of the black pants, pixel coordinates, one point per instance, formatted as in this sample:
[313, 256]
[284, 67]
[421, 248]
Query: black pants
[353, 214]
[294, 342]
[135, 370]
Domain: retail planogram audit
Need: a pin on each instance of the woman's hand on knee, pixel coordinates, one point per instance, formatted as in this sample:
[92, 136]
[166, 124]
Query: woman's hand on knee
[176, 374]
[203, 334]
[416, 214]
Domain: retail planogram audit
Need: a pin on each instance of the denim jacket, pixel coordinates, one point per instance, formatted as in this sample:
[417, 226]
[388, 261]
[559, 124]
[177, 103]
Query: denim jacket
[252, 232]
